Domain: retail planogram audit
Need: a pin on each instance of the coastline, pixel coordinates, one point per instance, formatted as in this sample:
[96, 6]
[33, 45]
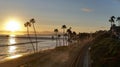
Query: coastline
[58, 57]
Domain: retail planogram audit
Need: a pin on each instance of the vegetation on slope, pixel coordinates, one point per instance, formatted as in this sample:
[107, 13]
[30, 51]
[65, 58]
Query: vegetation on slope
[105, 51]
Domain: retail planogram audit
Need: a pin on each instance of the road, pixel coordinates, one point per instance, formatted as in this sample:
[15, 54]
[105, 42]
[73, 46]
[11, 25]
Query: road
[83, 58]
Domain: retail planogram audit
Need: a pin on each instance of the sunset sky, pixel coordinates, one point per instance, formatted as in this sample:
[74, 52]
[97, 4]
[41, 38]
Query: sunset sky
[81, 15]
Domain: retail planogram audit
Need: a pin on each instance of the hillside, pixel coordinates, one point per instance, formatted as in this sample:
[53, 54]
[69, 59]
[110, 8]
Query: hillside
[105, 51]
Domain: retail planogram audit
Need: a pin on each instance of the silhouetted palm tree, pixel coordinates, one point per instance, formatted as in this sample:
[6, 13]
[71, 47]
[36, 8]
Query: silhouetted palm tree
[74, 34]
[65, 37]
[56, 33]
[112, 20]
[63, 27]
[118, 19]
[59, 39]
[33, 21]
[27, 24]
[69, 32]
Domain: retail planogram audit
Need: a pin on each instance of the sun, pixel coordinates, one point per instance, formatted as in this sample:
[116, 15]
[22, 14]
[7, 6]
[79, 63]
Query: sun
[12, 25]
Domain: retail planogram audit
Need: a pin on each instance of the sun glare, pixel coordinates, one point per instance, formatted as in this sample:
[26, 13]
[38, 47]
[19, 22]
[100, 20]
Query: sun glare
[12, 25]
[14, 56]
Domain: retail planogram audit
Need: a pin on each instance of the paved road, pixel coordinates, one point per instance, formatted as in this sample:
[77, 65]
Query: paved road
[86, 62]
[82, 59]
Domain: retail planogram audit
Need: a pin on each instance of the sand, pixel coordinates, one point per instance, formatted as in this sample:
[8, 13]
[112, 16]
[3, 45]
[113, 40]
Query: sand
[61, 56]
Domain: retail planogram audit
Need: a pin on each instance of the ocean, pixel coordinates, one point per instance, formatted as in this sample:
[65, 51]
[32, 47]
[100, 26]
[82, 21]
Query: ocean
[13, 45]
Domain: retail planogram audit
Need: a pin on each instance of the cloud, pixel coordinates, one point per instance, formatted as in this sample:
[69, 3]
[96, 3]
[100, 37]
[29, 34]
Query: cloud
[87, 10]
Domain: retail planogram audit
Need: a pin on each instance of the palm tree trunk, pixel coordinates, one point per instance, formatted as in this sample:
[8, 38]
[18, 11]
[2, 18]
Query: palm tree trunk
[35, 37]
[111, 24]
[66, 40]
[30, 39]
[63, 36]
[56, 40]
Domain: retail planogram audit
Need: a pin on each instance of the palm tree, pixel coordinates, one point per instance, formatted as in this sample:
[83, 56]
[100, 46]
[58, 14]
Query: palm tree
[74, 35]
[69, 32]
[56, 33]
[63, 27]
[27, 24]
[112, 18]
[110, 22]
[118, 19]
[65, 37]
[59, 39]
[33, 21]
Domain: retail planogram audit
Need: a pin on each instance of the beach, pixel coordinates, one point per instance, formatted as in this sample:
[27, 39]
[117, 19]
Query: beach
[63, 56]
[10, 46]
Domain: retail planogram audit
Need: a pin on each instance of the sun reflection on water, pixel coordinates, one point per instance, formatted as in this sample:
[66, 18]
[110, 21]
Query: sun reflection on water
[12, 49]
[14, 56]
[12, 41]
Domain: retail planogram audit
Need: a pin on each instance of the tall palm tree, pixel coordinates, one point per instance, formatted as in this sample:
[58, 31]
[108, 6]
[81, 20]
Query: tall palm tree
[118, 19]
[74, 33]
[69, 33]
[65, 37]
[63, 27]
[27, 24]
[59, 39]
[56, 33]
[32, 21]
[112, 20]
